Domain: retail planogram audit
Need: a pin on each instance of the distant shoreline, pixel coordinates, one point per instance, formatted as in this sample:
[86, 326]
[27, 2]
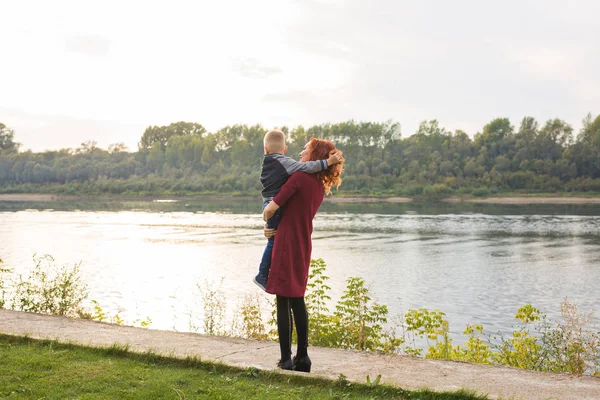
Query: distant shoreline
[336, 200]
[527, 200]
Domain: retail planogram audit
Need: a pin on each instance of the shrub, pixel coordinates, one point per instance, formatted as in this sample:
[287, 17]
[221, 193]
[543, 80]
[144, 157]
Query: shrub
[572, 346]
[413, 190]
[214, 308]
[358, 319]
[522, 350]
[358, 322]
[321, 329]
[50, 290]
[423, 323]
[252, 325]
[481, 192]
[437, 191]
[3, 270]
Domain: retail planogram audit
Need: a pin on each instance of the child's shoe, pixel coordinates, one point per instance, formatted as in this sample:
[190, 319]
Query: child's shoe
[261, 282]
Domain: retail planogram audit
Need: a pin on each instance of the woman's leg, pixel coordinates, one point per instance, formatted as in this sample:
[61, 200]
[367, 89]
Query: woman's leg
[301, 318]
[284, 327]
[302, 361]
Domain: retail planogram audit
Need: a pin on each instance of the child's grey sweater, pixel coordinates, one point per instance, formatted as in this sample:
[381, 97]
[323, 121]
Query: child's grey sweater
[277, 168]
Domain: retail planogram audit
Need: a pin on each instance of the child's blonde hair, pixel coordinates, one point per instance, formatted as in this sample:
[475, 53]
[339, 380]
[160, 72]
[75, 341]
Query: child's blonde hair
[275, 141]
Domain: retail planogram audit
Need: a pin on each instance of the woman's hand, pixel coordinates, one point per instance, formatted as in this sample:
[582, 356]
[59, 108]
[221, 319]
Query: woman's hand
[269, 233]
[269, 211]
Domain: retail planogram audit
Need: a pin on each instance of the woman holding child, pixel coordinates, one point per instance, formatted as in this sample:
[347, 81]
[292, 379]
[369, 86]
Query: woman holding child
[301, 196]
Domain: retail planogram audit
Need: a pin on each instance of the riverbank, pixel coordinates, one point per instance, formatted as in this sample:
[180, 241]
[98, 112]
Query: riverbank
[526, 200]
[401, 371]
[529, 199]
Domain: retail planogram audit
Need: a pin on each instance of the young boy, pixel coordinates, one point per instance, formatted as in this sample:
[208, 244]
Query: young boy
[276, 169]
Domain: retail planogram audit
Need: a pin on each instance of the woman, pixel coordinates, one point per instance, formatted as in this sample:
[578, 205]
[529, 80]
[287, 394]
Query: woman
[302, 196]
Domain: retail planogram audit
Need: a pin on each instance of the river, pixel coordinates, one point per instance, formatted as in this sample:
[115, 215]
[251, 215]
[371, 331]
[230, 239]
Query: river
[476, 263]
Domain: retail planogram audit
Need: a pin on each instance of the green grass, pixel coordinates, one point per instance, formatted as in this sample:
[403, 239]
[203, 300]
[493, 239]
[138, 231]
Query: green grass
[34, 369]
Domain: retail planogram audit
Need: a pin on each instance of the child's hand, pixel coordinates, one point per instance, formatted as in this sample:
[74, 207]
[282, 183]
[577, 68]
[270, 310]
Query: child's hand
[334, 158]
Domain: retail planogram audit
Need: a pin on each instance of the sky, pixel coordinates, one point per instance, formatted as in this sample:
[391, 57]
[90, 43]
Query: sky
[74, 71]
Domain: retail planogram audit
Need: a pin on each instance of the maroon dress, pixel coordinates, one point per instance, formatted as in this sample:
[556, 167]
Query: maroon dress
[301, 196]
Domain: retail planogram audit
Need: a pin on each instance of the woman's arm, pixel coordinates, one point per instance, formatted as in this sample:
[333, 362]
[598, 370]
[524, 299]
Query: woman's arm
[270, 210]
[287, 191]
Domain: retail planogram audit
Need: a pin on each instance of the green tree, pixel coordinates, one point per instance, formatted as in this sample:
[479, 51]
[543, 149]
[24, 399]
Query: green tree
[7, 139]
[156, 157]
[209, 157]
[433, 162]
[162, 134]
[497, 137]
[586, 152]
[552, 139]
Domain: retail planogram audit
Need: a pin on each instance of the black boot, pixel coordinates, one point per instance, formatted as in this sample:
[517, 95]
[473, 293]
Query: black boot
[302, 364]
[287, 364]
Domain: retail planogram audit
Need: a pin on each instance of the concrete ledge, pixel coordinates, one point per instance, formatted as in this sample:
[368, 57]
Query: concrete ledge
[402, 371]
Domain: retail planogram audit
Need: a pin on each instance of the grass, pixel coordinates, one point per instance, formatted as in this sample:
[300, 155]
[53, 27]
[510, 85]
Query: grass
[38, 369]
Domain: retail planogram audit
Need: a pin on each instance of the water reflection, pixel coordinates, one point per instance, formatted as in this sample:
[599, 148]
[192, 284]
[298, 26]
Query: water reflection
[250, 205]
[477, 263]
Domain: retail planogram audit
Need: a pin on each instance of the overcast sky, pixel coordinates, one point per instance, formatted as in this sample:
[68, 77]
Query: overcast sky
[77, 71]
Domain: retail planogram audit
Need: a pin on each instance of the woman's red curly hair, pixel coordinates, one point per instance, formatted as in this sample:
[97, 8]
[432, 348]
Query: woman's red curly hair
[320, 149]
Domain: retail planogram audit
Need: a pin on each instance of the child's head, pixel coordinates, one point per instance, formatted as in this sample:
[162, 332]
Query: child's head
[275, 142]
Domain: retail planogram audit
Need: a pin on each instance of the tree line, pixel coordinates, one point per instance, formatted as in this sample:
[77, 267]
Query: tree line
[184, 158]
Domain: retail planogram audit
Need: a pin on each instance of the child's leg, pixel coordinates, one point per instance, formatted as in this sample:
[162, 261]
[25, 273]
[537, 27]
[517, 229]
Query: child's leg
[265, 263]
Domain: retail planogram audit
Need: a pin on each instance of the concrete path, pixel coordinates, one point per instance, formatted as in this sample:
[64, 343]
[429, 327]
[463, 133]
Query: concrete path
[402, 371]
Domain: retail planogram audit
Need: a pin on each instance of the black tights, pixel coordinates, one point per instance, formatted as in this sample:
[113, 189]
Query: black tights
[285, 325]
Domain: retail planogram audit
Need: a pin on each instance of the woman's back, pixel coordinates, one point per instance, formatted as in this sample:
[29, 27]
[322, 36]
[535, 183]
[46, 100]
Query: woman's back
[300, 197]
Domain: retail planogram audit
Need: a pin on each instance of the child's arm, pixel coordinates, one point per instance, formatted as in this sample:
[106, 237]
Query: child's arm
[310, 167]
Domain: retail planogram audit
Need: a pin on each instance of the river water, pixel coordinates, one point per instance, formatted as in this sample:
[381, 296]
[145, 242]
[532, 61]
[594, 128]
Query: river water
[476, 263]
